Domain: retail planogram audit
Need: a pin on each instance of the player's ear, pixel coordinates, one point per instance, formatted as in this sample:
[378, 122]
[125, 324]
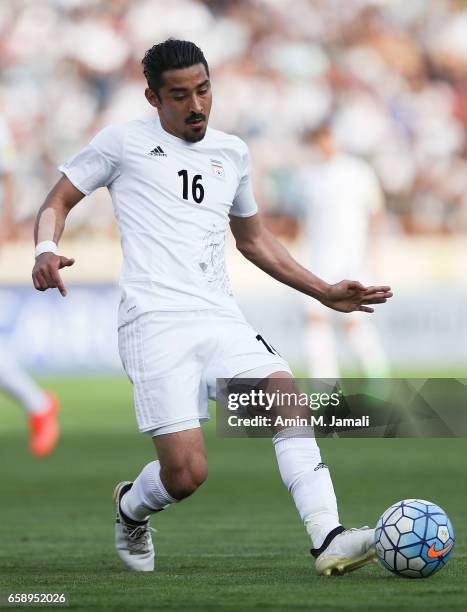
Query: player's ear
[152, 97]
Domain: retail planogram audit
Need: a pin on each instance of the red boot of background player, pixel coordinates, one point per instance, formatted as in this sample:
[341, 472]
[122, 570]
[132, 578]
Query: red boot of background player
[44, 429]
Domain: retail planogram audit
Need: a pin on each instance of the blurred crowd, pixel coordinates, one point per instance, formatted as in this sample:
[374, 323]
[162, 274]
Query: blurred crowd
[389, 75]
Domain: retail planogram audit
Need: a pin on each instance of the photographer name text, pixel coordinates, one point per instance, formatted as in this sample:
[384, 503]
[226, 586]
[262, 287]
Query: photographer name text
[280, 421]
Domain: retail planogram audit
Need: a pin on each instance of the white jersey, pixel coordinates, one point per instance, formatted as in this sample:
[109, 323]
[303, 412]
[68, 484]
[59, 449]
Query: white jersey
[340, 195]
[172, 201]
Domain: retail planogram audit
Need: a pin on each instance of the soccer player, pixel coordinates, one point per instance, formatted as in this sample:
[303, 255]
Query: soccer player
[345, 205]
[40, 406]
[176, 185]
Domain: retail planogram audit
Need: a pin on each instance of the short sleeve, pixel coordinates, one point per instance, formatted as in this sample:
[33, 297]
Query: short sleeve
[244, 203]
[98, 164]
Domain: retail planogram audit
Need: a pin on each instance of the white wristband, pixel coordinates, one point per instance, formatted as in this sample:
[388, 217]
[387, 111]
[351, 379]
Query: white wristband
[46, 246]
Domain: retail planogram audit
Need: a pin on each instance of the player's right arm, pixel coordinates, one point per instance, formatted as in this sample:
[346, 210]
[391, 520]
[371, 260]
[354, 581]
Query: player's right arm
[97, 165]
[49, 226]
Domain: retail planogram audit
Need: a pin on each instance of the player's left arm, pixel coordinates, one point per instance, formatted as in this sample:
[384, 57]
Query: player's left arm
[260, 247]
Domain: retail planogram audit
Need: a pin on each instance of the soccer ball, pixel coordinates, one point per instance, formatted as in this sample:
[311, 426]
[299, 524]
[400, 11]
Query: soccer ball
[414, 538]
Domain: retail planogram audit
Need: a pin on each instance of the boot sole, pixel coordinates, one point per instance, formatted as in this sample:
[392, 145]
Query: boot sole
[336, 566]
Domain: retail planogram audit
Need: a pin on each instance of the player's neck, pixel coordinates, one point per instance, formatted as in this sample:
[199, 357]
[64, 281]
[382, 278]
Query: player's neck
[169, 129]
[174, 134]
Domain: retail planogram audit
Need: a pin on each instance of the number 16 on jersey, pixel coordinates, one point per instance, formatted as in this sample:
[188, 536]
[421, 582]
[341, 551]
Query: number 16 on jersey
[197, 189]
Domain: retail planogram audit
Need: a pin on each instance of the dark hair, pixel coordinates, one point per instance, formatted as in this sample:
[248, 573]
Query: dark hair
[169, 55]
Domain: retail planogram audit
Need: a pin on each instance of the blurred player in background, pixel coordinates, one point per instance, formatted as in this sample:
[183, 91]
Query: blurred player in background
[176, 185]
[40, 406]
[344, 209]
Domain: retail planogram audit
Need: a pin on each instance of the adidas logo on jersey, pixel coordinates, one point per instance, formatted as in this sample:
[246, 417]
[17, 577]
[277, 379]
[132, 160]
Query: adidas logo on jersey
[157, 152]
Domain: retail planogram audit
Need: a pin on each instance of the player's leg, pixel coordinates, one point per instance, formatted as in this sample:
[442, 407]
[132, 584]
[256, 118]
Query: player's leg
[161, 355]
[40, 406]
[337, 550]
[17, 383]
[301, 467]
[299, 459]
[247, 355]
[180, 469]
[366, 344]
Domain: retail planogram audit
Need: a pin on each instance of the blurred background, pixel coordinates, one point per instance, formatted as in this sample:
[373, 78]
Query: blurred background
[388, 79]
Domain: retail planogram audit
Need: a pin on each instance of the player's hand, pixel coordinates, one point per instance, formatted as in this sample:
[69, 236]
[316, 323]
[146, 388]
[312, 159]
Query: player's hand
[348, 296]
[45, 274]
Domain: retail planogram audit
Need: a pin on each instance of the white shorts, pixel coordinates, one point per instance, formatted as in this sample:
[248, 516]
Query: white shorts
[174, 358]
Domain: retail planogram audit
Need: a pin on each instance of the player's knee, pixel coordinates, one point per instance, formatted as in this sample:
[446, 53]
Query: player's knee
[199, 475]
[182, 481]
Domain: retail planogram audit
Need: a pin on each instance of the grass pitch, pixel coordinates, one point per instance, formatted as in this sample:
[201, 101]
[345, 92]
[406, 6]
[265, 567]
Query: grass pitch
[237, 544]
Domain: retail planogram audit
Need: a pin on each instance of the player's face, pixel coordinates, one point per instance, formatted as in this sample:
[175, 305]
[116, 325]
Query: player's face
[184, 102]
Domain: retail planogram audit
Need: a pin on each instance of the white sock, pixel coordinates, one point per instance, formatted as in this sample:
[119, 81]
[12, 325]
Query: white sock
[20, 385]
[366, 344]
[310, 486]
[147, 494]
[321, 350]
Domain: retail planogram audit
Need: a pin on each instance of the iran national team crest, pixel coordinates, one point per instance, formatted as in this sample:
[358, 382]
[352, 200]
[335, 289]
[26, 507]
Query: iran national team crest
[218, 168]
